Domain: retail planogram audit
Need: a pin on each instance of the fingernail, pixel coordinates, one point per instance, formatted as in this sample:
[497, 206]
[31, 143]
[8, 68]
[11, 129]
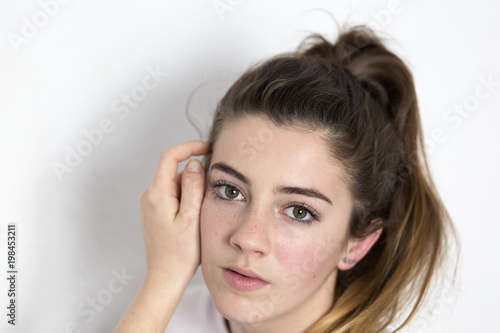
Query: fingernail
[193, 166]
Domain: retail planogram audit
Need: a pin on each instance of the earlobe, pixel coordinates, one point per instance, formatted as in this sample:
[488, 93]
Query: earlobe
[358, 248]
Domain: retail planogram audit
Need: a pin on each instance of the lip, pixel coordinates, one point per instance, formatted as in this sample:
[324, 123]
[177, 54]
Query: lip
[243, 279]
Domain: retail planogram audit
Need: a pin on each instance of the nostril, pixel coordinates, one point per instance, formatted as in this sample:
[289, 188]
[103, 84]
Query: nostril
[235, 245]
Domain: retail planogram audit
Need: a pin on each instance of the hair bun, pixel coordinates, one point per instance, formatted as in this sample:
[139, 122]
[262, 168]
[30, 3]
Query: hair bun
[359, 52]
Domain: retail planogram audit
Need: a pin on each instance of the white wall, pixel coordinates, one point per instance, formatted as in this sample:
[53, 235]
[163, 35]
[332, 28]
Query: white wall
[66, 77]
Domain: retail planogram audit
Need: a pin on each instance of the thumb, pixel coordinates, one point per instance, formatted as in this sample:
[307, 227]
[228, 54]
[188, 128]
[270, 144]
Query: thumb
[192, 186]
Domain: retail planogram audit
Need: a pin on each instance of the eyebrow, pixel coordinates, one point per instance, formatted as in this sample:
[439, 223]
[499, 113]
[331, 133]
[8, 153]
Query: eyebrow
[227, 169]
[309, 192]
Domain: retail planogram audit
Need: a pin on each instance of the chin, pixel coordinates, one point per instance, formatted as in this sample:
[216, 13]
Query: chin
[239, 309]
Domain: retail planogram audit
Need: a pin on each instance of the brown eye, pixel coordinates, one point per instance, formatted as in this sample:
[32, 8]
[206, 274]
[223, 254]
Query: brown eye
[302, 213]
[299, 213]
[231, 192]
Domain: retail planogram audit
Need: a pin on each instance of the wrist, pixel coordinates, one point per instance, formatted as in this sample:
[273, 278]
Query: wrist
[169, 277]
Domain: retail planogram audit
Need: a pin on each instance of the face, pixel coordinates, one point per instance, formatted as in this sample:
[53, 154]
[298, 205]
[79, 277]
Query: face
[273, 223]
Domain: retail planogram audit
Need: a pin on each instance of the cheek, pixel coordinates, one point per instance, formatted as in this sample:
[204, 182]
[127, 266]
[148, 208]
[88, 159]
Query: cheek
[308, 261]
[207, 225]
[215, 225]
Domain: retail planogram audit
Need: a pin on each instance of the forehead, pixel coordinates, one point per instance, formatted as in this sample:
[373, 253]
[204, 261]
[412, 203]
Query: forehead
[257, 148]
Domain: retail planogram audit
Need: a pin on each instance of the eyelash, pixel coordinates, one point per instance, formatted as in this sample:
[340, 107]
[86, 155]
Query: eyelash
[315, 215]
[218, 184]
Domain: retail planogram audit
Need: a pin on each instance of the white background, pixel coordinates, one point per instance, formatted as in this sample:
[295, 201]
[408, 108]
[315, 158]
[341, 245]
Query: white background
[61, 79]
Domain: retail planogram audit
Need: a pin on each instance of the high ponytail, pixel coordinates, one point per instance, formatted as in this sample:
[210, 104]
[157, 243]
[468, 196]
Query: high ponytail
[380, 72]
[398, 271]
[361, 96]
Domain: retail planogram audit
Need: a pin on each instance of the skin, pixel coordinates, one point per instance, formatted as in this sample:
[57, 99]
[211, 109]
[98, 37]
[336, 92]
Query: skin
[169, 210]
[257, 231]
[255, 228]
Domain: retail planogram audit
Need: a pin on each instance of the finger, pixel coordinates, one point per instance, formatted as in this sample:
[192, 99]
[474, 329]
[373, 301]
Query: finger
[170, 158]
[176, 186]
[193, 182]
[178, 178]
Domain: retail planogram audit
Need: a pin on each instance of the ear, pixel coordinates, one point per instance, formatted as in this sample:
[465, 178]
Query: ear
[357, 248]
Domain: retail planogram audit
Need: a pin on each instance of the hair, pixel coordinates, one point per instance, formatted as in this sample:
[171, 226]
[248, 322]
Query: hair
[362, 98]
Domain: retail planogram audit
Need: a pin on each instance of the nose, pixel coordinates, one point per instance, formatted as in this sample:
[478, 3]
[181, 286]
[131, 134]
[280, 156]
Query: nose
[251, 234]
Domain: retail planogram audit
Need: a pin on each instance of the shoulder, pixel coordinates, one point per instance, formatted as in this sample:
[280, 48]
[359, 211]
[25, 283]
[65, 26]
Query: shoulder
[196, 313]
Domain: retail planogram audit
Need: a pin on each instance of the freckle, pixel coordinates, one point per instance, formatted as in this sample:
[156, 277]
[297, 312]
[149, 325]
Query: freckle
[216, 233]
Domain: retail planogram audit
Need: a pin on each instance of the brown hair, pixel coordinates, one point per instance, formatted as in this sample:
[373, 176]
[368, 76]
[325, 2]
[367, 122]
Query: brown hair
[362, 98]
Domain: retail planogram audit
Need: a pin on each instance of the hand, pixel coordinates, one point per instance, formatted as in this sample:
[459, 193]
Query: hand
[170, 213]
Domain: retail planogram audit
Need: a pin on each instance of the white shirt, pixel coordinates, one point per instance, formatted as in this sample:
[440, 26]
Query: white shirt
[195, 313]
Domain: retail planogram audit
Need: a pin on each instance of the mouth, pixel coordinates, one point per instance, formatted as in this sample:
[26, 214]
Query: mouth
[242, 279]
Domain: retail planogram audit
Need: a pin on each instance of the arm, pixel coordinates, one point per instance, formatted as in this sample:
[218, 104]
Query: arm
[170, 213]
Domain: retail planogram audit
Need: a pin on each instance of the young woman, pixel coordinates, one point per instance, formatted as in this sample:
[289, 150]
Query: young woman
[315, 211]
